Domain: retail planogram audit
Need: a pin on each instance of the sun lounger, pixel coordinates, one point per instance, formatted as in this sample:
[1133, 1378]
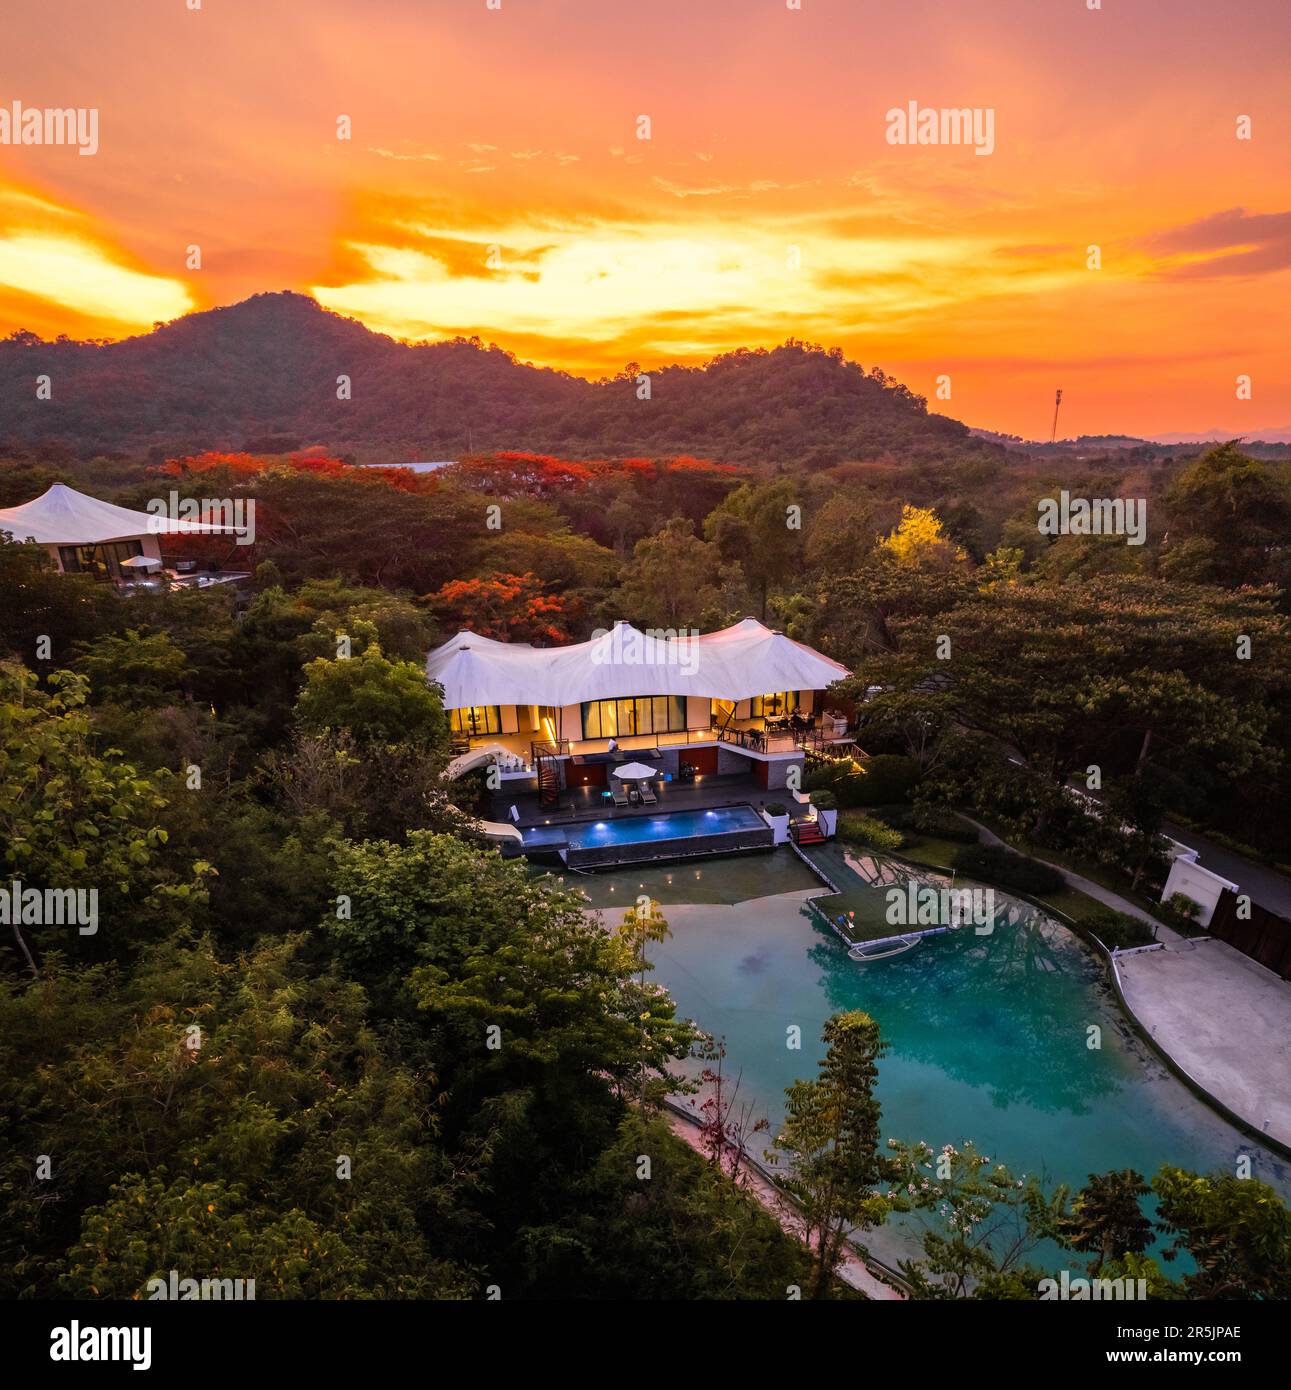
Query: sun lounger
[620, 796]
[647, 794]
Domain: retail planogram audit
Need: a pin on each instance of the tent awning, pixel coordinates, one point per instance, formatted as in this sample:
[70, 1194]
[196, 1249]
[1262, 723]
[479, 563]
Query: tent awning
[734, 664]
[63, 516]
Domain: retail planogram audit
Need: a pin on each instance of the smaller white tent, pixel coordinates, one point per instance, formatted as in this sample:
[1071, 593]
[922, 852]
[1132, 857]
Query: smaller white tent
[63, 516]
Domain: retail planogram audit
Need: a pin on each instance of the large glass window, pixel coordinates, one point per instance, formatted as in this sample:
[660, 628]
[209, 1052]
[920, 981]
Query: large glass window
[774, 705]
[102, 561]
[473, 720]
[646, 714]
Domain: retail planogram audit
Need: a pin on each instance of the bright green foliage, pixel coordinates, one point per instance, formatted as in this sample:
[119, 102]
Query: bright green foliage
[1237, 1230]
[377, 700]
[72, 817]
[473, 943]
[919, 542]
[871, 832]
[134, 670]
[831, 1133]
[979, 1221]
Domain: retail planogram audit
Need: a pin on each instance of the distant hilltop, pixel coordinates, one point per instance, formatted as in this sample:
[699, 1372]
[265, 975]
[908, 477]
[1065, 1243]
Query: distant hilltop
[1271, 443]
[268, 368]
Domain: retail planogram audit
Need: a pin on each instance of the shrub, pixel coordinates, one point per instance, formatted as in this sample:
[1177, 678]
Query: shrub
[824, 800]
[886, 779]
[1116, 930]
[883, 780]
[868, 831]
[996, 864]
[945, 825]
[1183, 906]
[1182, 914]
[776, 808]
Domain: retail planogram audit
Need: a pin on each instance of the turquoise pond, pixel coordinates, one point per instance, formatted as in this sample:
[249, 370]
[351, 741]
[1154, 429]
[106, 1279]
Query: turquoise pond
[987, 1034]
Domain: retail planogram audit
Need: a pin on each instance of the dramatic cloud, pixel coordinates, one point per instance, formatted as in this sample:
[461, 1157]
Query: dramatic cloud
[494, 184]
[1247, 243]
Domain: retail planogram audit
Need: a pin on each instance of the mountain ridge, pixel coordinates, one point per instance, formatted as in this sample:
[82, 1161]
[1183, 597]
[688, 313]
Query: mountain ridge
[269, 366]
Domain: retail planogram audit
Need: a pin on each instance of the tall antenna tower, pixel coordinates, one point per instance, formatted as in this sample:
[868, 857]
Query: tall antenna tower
[1057, 401]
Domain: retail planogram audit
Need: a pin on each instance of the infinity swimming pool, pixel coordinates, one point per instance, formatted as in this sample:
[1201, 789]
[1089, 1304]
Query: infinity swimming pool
[635, 830]
[988, 1035]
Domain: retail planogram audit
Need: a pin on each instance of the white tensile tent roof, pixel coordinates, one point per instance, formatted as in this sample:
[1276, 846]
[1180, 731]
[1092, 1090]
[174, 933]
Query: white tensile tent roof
[733, 664]
[63, 516]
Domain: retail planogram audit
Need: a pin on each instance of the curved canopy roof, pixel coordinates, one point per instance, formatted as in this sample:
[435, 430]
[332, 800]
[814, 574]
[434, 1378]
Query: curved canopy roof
[733, 664]
[63, 516]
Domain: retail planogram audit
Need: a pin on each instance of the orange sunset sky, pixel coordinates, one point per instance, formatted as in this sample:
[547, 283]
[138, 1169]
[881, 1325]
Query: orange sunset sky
[768, 202]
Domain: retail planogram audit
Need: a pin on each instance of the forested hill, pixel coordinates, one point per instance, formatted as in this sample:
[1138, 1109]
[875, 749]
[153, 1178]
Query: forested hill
[267, 367]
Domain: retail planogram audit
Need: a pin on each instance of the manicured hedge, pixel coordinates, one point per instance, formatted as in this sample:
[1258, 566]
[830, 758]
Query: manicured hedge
[1116, 930]
[870, 833]
[883, 780]
[939, 824]
[996, 864]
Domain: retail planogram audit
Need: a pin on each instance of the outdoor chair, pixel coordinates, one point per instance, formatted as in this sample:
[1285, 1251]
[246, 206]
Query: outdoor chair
[621, 796]
[647, 795]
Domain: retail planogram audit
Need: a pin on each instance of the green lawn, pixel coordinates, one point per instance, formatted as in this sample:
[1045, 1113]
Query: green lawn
[1066, 902]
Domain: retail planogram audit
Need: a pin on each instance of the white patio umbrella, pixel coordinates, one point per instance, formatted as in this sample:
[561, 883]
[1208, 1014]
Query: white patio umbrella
[141, 562]
[635, 772]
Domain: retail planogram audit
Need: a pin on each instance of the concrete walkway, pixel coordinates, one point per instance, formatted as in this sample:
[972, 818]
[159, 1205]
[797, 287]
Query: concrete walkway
[1267, 886]
[1221, 1018]
[1106, 896]
[1224, 1020]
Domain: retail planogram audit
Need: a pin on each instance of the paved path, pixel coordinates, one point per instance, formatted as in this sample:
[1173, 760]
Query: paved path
[1106, 896]
[1266, 886]
[1224, 1020]
[1218, 1015]
[852, 1271]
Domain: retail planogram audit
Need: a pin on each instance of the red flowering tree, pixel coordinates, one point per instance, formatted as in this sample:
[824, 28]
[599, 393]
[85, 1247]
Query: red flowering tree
[509, 607]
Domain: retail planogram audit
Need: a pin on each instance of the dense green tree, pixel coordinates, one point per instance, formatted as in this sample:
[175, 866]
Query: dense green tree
[73, 818]
[670, 1228]
[672, 578]
[44, 614]
[759, 527]
[1106, 1218]
[377, 700]
[1230, 521]
[831, 1134]
[136, 671]
[1237, 1230]
[194, 1110]
[840, 534]
[1098, 672]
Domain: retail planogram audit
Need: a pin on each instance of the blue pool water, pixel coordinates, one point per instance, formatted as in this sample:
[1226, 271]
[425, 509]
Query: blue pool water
[988, 1036]
[635, 830]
